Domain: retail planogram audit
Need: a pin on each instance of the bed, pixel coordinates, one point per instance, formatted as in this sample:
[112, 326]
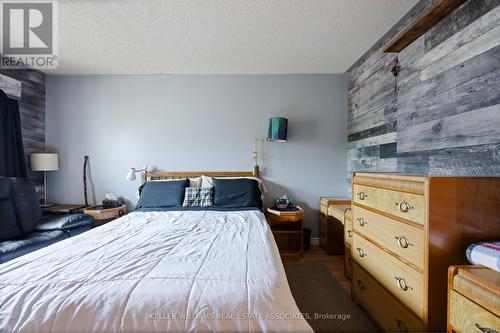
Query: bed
[155, 270]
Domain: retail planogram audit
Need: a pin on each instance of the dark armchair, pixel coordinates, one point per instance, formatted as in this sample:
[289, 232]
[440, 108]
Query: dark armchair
[22, 227]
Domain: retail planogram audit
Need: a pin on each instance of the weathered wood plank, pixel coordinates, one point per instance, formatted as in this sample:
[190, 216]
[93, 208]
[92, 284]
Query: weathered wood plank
[373, 164]
[458, 20]
[485, 25]
[373, 141]
[462, 98]
[465, 129]
[374, 131]
[11, 87]
[483, 160]
[381, 83]
[422, 24]
[368, 159]
[412, 88]
[409, 55]
[465, 52]
[376, 63]
[384, 100]
[378, 117]
[389, 150]
[416, 163]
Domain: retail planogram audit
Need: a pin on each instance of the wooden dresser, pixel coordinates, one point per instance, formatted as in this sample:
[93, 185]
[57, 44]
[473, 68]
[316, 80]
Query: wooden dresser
[407, 231]
[473, 299]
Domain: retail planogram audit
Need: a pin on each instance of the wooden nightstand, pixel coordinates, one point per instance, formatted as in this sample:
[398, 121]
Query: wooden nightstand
[287, 231]
[103, 216]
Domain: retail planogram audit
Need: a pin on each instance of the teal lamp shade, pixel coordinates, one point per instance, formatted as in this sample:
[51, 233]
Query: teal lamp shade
[277, 129]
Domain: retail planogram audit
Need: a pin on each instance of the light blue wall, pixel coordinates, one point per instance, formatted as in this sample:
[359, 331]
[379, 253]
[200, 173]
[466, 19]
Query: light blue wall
[198, 122]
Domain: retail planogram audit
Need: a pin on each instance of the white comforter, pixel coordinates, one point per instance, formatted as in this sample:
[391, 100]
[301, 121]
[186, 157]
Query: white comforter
[154, 271]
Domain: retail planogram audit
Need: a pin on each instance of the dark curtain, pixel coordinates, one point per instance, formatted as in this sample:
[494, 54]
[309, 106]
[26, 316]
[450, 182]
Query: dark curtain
[12, 162]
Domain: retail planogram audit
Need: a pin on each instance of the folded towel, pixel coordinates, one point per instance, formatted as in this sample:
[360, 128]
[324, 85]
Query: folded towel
[485, 254]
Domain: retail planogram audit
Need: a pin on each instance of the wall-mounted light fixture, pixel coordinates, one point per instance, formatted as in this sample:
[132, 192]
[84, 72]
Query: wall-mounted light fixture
[277, 132]
[278, 129]
[131, 174]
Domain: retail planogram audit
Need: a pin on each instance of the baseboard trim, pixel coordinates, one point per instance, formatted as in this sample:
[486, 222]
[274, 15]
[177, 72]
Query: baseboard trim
[314, 240]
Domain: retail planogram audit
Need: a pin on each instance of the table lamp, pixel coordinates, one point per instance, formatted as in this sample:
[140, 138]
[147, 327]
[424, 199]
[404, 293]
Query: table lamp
[44, 162]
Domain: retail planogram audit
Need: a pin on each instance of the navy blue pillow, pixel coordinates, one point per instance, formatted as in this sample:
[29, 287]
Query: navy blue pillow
[163, 194]
[240, 192]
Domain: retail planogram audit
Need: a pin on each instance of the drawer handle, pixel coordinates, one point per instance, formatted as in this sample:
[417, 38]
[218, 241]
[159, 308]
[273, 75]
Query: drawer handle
[403, 284]
[403, 241]
[404, 206]
[401, 325]
[349, 233]
[361, 285]
[362, 195]
[361, 253]
[361, 221]
[483, 329]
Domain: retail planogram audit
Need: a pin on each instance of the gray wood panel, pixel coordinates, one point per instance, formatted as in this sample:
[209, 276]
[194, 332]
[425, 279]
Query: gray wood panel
[478, 127]
[32, 111]
[443, 117]
[11, 87]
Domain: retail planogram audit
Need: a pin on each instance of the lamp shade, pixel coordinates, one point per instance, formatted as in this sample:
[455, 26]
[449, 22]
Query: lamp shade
[277, 129]
[130, 175]
[44, 162]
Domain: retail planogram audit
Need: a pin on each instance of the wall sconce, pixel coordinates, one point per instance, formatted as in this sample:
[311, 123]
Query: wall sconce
[278, 129]
[277, 132]
[131, 174]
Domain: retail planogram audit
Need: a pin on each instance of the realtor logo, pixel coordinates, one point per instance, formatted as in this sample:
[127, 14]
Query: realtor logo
[29, 38]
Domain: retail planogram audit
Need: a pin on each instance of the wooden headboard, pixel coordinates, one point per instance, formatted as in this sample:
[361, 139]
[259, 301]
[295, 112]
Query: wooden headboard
[160, 175]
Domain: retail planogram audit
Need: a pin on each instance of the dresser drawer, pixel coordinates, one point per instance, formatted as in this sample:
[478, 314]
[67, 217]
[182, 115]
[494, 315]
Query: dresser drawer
[402, 239]
[400, 279]
[392, 316]
[467, 316]
[406, 205]
[348, 228]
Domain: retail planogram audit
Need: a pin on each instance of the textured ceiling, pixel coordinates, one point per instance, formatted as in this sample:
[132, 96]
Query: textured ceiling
[220, 36]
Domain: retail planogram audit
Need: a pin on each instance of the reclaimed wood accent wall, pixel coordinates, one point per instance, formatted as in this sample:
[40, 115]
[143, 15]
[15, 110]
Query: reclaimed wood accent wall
[440, 113]
[28, 87]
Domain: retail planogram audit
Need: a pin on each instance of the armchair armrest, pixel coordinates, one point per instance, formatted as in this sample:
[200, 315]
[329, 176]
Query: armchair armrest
[63, 222]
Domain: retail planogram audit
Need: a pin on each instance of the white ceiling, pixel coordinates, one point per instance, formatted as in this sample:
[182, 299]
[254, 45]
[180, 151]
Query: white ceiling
[220, 36]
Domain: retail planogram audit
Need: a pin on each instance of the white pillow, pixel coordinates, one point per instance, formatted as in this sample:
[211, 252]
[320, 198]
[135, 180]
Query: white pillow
[196, 182]
[207, 181]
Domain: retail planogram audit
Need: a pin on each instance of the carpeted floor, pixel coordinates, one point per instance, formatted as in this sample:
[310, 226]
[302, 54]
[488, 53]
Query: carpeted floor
[322, 298]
